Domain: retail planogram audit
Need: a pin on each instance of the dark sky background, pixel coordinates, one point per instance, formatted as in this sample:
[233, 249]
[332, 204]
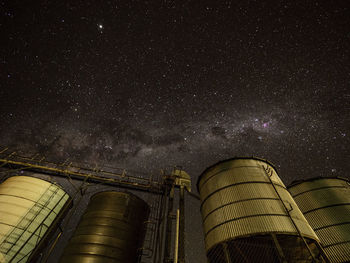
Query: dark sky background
[150, 84]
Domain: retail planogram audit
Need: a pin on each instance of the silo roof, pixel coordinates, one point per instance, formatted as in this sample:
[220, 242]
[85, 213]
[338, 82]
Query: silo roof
[232, 159]
[120, 193]
[296, 182]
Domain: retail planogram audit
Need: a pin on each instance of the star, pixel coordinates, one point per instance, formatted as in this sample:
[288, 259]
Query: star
[100, 27]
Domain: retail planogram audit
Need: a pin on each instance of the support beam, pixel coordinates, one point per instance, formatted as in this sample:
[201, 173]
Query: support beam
[84, 174]
[176, 250]
[226, 253]
[279, 248]
[182, 225]
[169, 226]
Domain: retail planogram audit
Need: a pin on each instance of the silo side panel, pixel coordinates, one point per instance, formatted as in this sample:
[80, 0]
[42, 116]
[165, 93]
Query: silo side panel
[238, 200]
[325, 203]
[28, 207]
[249, 216]
[111, 230]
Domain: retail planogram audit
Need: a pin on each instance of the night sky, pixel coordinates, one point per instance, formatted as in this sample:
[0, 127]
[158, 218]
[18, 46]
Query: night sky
[146, 85]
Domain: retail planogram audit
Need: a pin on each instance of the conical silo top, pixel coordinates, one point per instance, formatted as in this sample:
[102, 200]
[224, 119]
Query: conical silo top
[232, 159]
[299, 181]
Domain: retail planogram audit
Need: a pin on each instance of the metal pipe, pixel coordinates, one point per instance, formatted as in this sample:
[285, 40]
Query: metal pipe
[162, 230]
[176, 251]
[227, 254]
[169, 226]
[182, 225]
[279, 248]
[53, 245]
[158, 228]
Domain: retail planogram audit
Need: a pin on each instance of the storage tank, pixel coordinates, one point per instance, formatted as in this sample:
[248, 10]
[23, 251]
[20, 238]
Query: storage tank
[112, 229]
[249, 216]
[325, 202]
[29, 209]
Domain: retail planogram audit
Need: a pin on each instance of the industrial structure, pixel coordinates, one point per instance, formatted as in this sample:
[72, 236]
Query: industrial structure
[109, 231]
[249, 216]
[126, 208]
[325, 203]
[64, 212]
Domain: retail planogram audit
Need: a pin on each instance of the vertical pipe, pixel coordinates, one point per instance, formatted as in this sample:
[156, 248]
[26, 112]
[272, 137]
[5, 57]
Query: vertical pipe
[169, 226]
[163, 229]
[176, 251]
[159, 235]
[182, 225]
[227, 255]
[279, 248]
[46, 256]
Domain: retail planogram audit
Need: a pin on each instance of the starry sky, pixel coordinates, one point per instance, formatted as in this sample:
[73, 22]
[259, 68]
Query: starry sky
[146, 85]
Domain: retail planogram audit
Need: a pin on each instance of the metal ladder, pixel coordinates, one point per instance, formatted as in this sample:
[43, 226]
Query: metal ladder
[269, 173]
[30, 216]
[151, 231]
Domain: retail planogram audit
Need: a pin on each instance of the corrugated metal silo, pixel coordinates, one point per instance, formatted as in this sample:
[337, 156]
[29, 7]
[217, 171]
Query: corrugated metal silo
[249, 216]
[112, 229]
[325, 203]
[29, 210]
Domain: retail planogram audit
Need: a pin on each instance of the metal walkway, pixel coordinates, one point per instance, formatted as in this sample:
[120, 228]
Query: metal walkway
[109, 176]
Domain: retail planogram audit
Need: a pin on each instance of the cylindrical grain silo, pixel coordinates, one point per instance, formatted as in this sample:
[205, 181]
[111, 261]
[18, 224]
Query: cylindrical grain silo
[249, 216]
[29, 210]
[112, 229]
[325, 203]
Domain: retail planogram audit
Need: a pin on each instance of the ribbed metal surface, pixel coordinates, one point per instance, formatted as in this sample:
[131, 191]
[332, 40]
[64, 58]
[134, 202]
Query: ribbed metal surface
[328, 216]
[333, 252]
[333, 234]
[296, 188]
[239, 201]
[308, 201]
[29, 209]
[240, 193]
[111, 230]
[325, 203]
[252, 226]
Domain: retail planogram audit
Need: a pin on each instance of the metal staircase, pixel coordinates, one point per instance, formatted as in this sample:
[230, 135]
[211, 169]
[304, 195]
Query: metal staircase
[12, 239]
